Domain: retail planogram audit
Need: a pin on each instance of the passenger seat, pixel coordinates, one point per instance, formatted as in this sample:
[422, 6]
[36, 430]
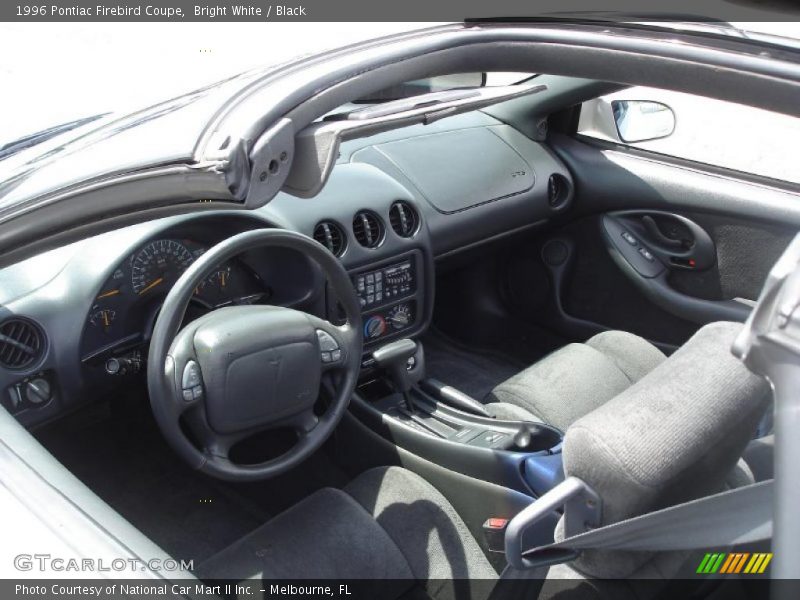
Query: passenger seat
[578, 378]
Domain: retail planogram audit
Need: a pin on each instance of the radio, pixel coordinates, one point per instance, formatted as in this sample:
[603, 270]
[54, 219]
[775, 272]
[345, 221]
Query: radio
[385, 284]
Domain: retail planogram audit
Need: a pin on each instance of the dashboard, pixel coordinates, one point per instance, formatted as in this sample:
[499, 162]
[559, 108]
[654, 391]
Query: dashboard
[75, 322]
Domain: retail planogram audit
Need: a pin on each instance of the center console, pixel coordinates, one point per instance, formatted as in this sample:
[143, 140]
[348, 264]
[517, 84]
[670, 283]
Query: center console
[431, 420]
[444, 426]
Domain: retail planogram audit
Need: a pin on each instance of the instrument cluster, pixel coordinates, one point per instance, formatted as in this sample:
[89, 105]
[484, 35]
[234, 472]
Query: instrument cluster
[126, 306]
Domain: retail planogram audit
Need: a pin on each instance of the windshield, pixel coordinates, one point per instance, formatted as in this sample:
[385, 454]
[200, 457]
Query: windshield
[106, 67]
[42, 136]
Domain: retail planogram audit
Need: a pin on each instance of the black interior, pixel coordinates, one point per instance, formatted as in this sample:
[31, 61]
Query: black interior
[485, 286]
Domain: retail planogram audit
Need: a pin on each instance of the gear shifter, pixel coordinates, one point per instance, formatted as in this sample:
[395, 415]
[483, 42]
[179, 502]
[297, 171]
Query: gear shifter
[393, 358]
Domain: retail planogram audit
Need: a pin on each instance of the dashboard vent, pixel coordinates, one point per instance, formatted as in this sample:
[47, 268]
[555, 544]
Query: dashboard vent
[403, 219]
[557, 190]
[368, 229]
[21, 343]
[330, 235]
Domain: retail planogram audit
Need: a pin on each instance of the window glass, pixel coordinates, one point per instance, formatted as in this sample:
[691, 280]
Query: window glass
[714, 132]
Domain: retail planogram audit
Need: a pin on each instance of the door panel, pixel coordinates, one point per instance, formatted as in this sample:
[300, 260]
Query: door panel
[746, 251]
[596, 290]
[637, 242]
[711, 241]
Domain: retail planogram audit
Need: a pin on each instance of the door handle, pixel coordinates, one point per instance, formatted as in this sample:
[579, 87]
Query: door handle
[658, 236]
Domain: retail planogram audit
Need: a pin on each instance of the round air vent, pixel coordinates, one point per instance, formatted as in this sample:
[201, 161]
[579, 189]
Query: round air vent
[368, 229]
[330, 235]
[403, 219]
[557, 190]
[21, 343]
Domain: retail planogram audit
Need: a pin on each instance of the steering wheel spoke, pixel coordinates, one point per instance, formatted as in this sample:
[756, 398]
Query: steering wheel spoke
[187, 376]
[214, 444]
[333, 343]
[304, 423]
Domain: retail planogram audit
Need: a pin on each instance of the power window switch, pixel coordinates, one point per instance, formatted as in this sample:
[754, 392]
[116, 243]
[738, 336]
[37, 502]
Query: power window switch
[648, 256]
[629, 238]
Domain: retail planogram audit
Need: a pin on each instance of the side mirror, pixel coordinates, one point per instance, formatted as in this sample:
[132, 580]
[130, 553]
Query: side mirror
[642, 120]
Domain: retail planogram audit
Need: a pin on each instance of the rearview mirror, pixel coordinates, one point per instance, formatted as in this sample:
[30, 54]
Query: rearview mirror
[642, 120]
[428, 85]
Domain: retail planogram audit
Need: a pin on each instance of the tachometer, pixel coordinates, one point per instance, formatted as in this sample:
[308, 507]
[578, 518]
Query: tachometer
[160, 262]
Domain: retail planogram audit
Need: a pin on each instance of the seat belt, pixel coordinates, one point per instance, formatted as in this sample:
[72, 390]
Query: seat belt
[739, 516]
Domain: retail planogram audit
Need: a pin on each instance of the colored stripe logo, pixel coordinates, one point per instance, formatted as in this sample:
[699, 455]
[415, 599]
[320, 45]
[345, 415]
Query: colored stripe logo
[734, 562]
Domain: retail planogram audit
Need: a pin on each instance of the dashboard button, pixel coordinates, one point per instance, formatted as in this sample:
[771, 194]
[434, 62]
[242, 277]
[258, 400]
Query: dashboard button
[336, 355]
[326, 357]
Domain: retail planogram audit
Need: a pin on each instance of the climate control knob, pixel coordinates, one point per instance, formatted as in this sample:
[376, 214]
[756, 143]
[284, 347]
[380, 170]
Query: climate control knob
[374, 327]
[400, 316]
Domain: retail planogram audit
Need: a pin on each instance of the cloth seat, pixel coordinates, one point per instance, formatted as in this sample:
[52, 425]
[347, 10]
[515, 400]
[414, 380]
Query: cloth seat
[675, 435]
[578, 378]
[575, 379]
[388, 525]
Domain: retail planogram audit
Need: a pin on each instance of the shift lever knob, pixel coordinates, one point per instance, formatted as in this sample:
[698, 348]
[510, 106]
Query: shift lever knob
[393, 358]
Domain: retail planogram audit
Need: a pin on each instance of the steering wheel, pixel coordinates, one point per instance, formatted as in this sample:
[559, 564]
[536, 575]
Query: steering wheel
[240, 370]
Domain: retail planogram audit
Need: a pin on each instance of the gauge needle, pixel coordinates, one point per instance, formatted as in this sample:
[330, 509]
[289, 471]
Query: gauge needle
[108, 293]
[106, 322]
[151, 285]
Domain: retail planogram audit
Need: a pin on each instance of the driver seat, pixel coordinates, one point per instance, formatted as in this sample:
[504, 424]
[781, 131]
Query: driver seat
[388, 525]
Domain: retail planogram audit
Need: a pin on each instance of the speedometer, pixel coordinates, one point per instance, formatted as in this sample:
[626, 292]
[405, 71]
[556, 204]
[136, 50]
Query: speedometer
[160, 262]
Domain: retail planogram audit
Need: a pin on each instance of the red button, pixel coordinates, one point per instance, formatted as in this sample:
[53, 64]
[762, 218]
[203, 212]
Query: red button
[496, 523]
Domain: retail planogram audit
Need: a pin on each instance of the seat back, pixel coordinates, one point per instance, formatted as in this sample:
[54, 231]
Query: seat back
[673, 436]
